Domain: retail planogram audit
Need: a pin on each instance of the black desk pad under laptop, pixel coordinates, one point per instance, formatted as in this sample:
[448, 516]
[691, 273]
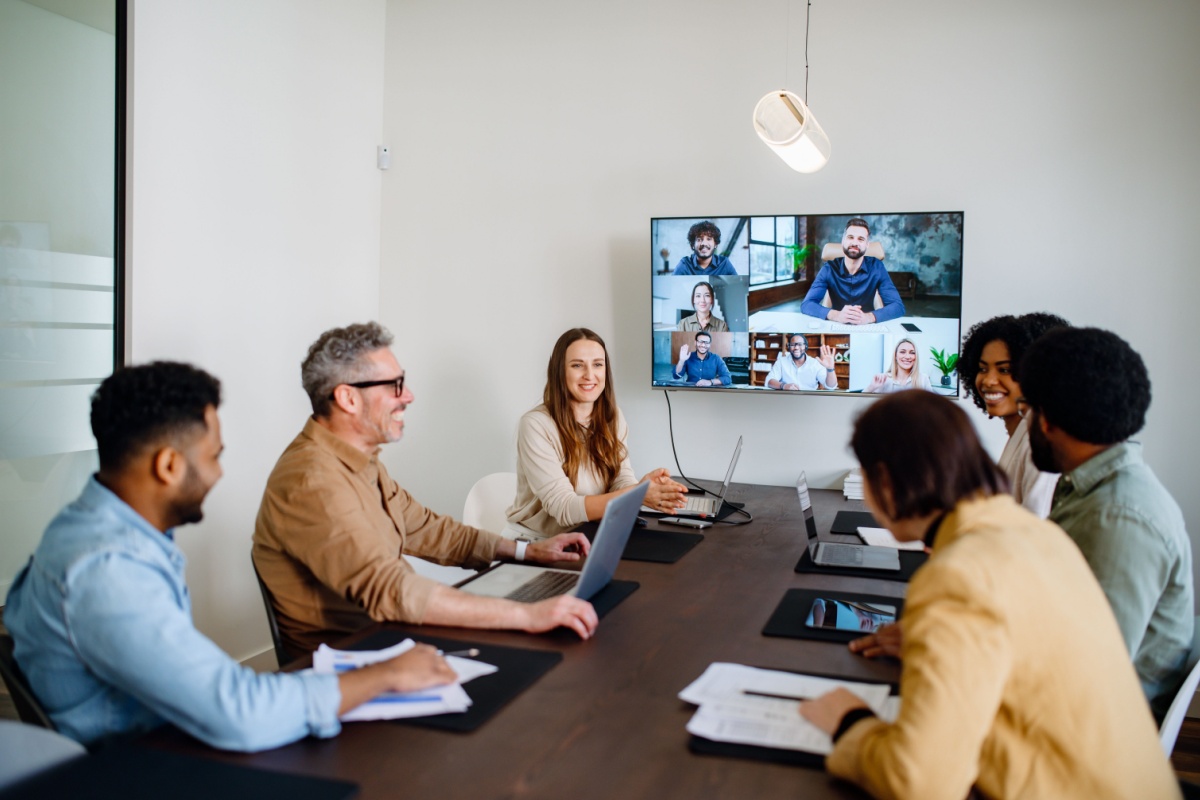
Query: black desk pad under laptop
[132, 771]
[662, 547]
[910, 561]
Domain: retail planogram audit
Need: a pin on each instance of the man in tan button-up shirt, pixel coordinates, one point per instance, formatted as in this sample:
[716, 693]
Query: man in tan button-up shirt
[333, 525]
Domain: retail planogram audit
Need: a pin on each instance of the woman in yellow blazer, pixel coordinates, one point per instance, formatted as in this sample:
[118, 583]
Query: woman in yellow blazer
[1015, 678]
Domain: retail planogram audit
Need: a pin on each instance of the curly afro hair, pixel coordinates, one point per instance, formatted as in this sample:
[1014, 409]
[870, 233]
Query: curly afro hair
[150, 404]
[1088, 382]
[704, 228]
[1017, 333]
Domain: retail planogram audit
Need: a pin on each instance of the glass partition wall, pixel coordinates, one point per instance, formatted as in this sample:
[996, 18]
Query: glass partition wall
[61, 99]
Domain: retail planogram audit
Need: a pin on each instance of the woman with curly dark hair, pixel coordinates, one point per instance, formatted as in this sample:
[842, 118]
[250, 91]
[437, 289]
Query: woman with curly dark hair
[987, 369]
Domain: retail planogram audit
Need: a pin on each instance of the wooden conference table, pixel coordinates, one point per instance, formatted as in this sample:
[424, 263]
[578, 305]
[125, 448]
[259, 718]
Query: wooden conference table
[607, 722]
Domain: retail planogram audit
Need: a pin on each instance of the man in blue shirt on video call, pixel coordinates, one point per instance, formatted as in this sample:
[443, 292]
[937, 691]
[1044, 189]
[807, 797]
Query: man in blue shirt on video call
[852, 282]
[703, 238]
[702, 367]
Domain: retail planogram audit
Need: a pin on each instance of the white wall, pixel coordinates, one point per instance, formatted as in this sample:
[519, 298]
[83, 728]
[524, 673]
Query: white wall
[254, 226]
[532, 143]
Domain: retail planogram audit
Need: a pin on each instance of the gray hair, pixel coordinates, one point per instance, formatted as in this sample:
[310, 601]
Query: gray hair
[336, 357]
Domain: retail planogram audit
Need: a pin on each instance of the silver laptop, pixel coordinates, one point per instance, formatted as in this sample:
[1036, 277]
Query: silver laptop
[706, 506]
[529, 584]
[835, 554]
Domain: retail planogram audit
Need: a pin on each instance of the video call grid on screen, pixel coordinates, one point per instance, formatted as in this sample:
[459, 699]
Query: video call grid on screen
[748, 282]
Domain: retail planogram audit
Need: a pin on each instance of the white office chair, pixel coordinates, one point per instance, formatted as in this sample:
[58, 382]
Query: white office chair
[26, 750]
[486, 503]
[1168, 732]
[488, 499]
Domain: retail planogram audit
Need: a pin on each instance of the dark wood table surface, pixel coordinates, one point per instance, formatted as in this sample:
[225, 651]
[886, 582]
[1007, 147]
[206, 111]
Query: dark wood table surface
[607, 722]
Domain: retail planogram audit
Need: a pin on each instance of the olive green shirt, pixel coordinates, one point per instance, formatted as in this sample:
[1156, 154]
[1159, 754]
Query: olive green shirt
[1132, 534]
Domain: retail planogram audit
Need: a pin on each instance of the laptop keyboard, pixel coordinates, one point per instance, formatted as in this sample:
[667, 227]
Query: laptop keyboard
[548, 584]
[842, 555]
[700, 504]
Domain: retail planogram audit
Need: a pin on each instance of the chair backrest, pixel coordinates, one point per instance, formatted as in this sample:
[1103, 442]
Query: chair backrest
[1168, 732]
[834, 250]
[488, 499]
[29, 708]
[282, 656]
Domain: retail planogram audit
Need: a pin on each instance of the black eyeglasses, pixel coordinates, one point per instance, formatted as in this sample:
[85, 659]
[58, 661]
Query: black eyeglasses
[397, 382]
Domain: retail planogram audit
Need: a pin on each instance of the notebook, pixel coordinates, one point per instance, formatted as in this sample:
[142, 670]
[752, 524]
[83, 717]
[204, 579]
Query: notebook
[832, 554]
[528, 584]
[706, 506]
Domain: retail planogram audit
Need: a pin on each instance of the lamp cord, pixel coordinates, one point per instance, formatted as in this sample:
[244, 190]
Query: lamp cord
[807, 17]
[689, 481]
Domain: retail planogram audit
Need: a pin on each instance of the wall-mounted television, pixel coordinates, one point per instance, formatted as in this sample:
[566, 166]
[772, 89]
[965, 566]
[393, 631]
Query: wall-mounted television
[836, 303]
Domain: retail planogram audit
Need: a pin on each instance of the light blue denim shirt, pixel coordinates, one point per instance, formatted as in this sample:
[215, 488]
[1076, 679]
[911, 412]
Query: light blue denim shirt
[1132, 534]
[103, 627]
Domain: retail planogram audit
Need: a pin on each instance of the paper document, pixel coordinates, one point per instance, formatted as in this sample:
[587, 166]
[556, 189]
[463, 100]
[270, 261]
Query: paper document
[728, 714]
[449, 698]
[882, 537]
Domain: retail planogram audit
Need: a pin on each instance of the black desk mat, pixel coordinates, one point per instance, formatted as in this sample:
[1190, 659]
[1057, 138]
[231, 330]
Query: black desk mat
[134, 772]
[774, 755]
[850, 521]
[910, 562]
[519, 668]
[662, 547]
[788, 617]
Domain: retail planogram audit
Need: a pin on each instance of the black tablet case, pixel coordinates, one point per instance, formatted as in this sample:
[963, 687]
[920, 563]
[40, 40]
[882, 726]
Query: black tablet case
[788, 617]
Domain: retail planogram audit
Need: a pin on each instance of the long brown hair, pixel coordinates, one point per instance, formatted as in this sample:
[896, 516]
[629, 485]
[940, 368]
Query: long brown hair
[599, 443]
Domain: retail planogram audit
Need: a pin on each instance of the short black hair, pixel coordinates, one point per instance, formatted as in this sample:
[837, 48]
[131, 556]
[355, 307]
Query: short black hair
[703, 333]
[1089, 382]
[702, 229]
[803, 338]
[925, 448]
[136, 407]
[1017, 333]
[857, 222]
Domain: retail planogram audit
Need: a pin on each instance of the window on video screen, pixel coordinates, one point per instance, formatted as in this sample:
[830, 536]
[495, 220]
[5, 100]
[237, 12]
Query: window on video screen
[849, 303]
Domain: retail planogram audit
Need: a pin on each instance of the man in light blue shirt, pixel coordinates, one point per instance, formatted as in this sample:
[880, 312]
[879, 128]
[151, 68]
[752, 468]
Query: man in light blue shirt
[1085, 393]
[101, 616]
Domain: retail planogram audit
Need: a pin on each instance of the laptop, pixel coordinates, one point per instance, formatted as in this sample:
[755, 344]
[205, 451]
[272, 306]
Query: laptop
[705, 505]
[529, 584]
[835, 554]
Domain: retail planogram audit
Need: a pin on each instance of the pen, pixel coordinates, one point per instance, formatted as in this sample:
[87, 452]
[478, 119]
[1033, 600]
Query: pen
[775, 696]
[470, 652]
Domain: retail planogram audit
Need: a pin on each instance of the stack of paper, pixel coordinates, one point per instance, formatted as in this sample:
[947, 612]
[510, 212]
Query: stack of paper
[882, 537]
[395, 705]
[853, 487]
[728, 713]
